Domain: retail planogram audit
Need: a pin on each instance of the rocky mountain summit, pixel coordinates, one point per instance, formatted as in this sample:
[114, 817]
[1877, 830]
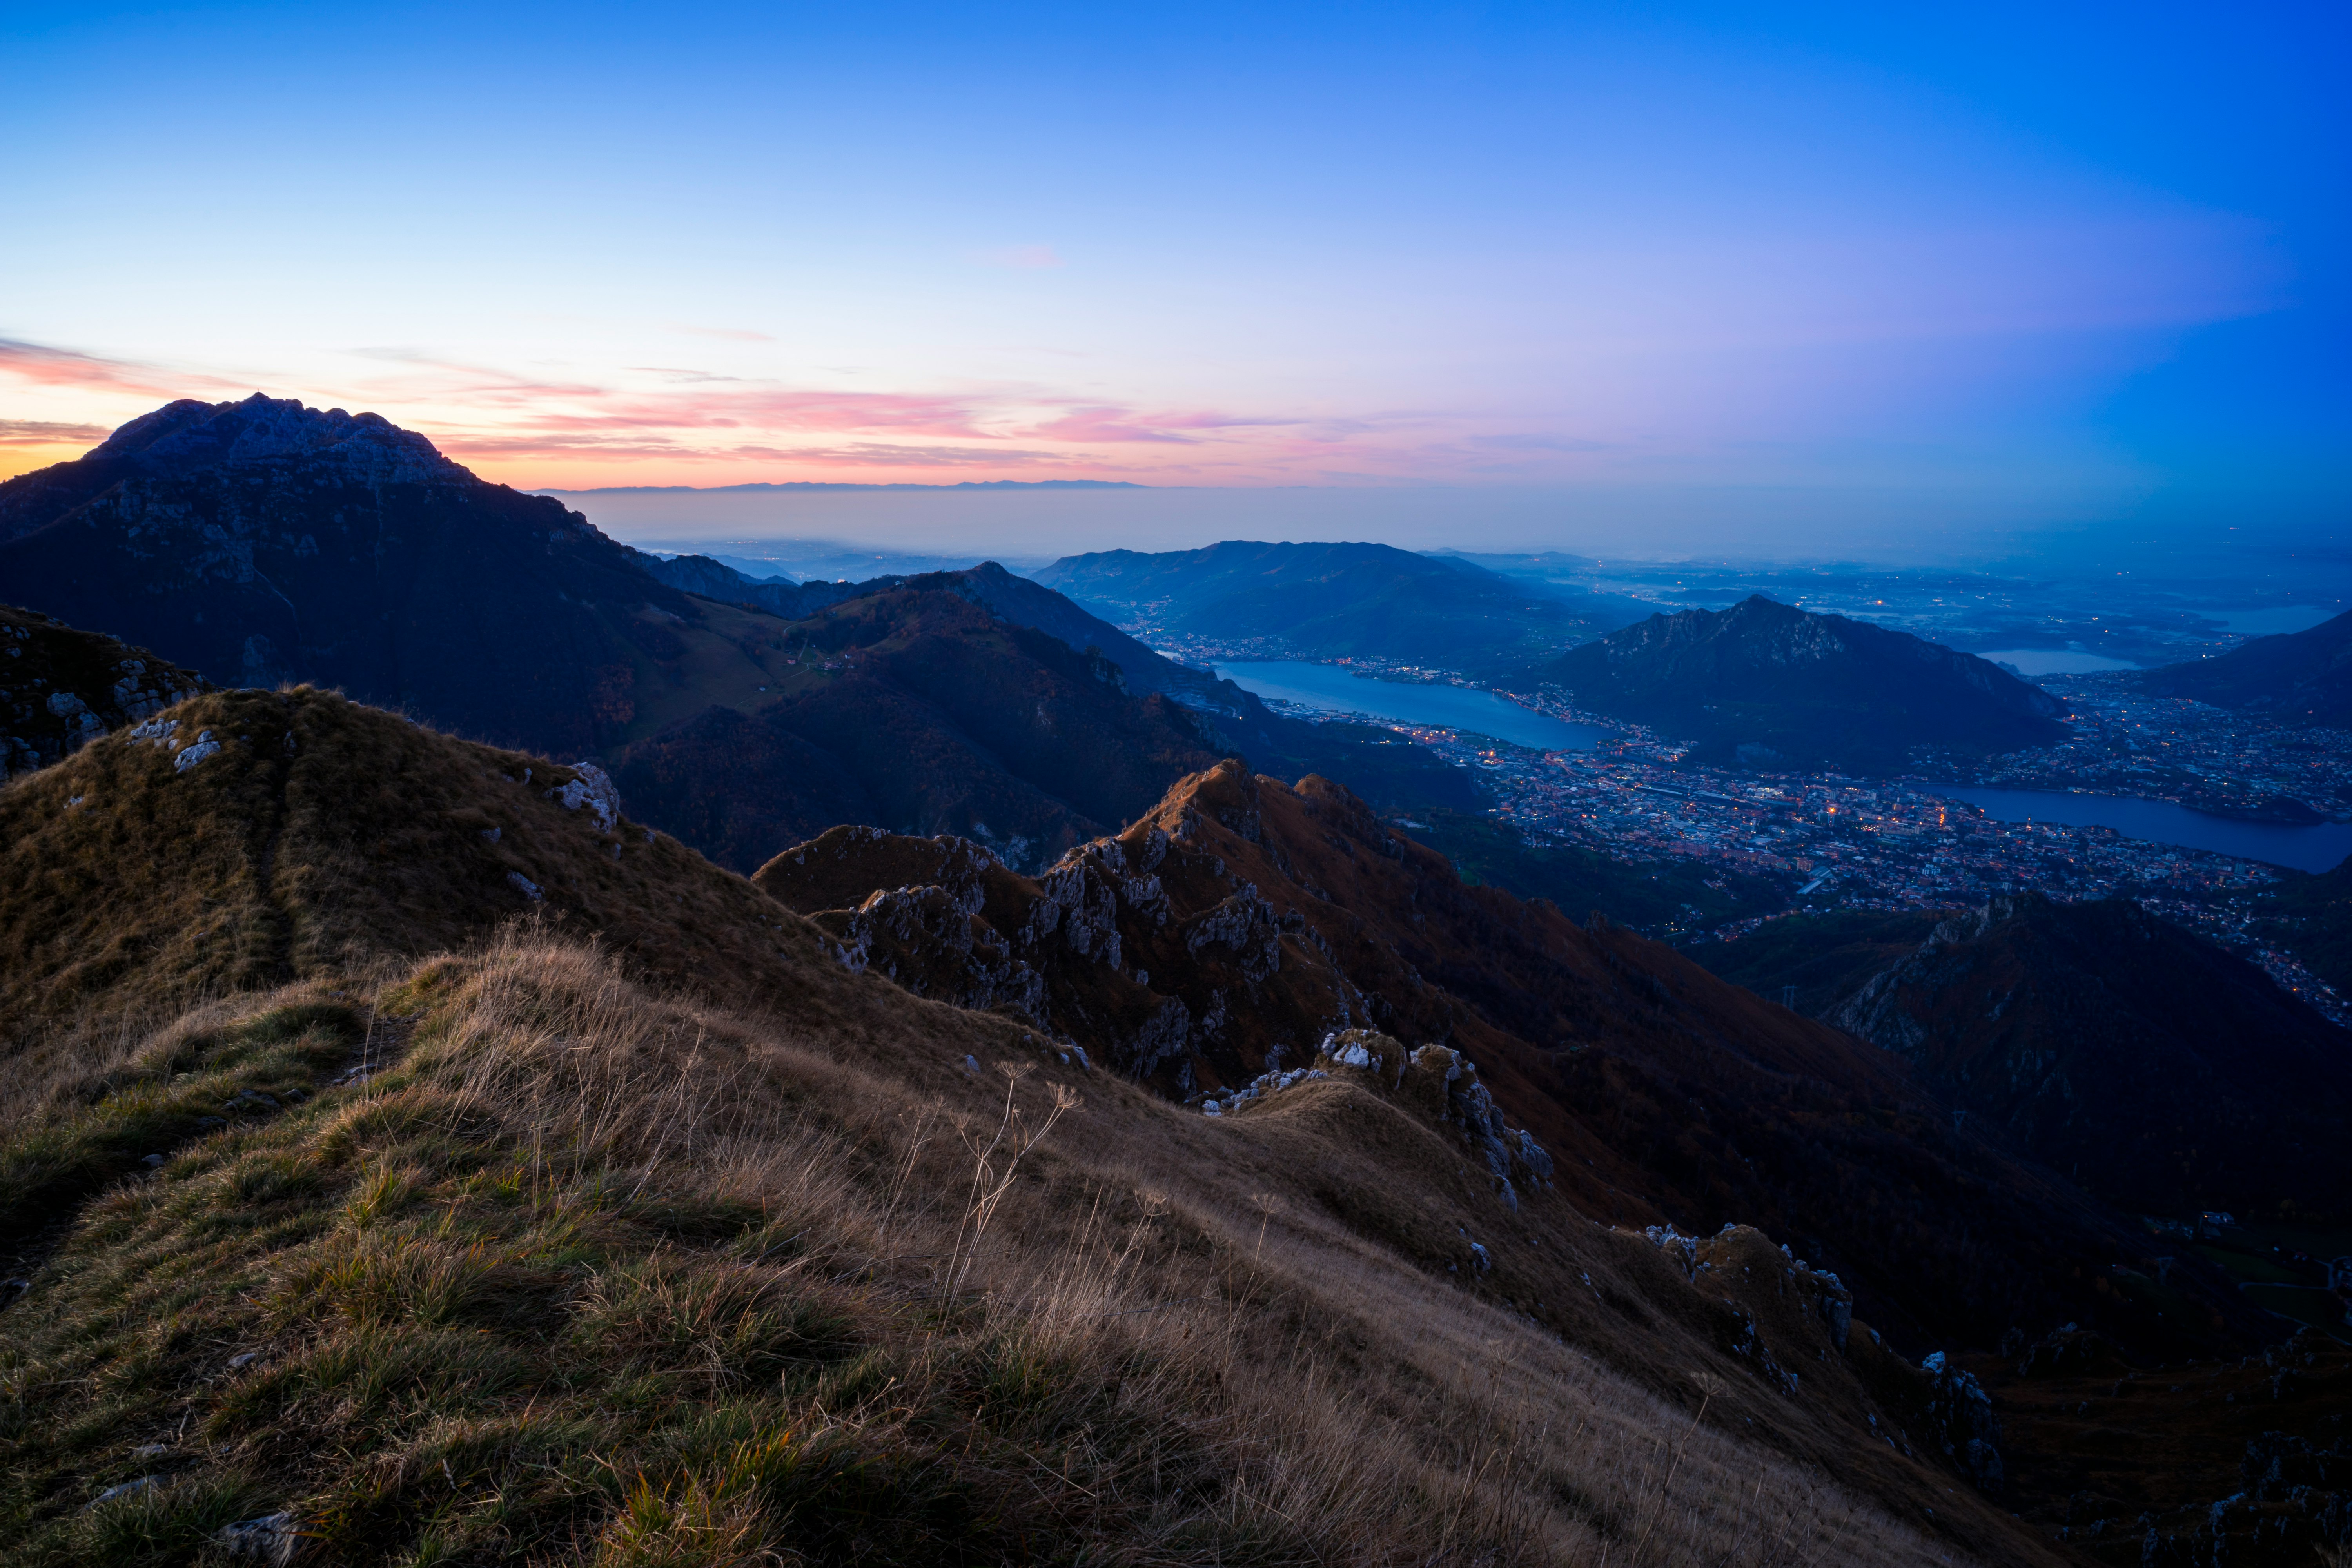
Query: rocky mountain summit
[2163, 1073]
[60, 688]
[262, 541]
[2304, 677]
[1765, 684]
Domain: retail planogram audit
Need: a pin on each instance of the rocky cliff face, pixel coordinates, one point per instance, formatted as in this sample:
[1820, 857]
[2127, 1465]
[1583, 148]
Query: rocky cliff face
[1766, 684]
[262, 541]
[2161, 1072]
[1233, 936]
[60, 688]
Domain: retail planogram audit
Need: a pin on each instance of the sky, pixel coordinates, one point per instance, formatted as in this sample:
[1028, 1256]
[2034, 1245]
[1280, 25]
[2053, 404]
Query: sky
[1871, 280]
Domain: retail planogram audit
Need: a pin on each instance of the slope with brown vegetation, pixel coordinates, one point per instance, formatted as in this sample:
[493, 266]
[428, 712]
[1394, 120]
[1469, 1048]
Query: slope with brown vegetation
[2164, 1073]
[581, 1262]
[913, 707]
[585, 1271]
[1227, 931]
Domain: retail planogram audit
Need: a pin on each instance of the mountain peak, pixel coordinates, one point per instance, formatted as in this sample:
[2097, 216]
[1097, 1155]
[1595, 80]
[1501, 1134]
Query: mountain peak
[191, 436]
[1772, 685]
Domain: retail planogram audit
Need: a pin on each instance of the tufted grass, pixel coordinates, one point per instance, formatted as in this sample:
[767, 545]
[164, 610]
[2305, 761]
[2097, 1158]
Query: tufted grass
[592, 1275]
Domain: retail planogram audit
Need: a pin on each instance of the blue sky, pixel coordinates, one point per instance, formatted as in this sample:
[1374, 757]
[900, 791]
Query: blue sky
[1832, 280]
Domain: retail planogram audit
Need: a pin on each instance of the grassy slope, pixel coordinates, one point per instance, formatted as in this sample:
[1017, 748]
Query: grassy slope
[597, 1268]
[583, 1270]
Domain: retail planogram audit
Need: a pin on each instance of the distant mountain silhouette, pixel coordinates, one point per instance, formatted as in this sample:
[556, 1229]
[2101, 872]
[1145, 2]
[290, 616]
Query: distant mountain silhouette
[262, 541]
[717, 580]
[2304, 677]
[2163, 1073]
[1765, 684]
[1336, 601]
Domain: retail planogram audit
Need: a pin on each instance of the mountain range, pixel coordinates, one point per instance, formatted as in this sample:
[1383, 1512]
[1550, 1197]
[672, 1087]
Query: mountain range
[308, 839]
[261, 542]
[1768, 685]
[1095, 1126]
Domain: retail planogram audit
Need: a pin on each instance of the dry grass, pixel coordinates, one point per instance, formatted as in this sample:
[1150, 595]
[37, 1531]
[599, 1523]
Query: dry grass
[590, 1272]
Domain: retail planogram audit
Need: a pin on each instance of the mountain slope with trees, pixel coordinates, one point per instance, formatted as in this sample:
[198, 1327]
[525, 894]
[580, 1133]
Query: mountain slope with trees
[2304, 677]
[1768, 685]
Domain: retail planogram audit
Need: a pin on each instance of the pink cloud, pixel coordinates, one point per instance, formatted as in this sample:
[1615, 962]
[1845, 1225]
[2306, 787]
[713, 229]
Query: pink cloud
[621, 444]
[1105, 424]
[44, 433]
[45, 366]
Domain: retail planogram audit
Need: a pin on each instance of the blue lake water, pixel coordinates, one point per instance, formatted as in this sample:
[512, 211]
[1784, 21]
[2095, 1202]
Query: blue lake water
[2318, 848]
[1335, 690]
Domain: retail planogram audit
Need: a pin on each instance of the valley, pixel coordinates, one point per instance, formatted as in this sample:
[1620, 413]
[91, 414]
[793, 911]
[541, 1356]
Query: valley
[471, 972]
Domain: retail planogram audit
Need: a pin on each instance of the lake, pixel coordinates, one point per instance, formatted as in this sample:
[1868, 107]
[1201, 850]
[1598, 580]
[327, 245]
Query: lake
[1334, 689]
[2317, 848]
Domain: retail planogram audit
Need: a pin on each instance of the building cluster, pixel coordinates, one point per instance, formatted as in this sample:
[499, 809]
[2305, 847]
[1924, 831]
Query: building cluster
[2169, 748]
[1835, 842]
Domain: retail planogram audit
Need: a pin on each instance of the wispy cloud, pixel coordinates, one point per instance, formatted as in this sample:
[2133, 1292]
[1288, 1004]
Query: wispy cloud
[45, 366]
[46, 433]
[883, 455]
[537, 422]
[1112, 424]
[610, 445]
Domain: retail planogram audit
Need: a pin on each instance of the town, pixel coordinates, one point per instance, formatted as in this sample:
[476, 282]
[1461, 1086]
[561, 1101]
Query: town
[1832, 842]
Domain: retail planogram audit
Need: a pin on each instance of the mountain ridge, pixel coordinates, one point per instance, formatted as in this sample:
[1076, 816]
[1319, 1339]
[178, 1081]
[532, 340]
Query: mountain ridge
[262, 542]
[2303, 677]
[2095, 1035]
[378, 1042]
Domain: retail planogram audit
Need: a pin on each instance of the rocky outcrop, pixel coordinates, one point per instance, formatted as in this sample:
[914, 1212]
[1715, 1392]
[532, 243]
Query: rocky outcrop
[61, 687]
[1579, 1062]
